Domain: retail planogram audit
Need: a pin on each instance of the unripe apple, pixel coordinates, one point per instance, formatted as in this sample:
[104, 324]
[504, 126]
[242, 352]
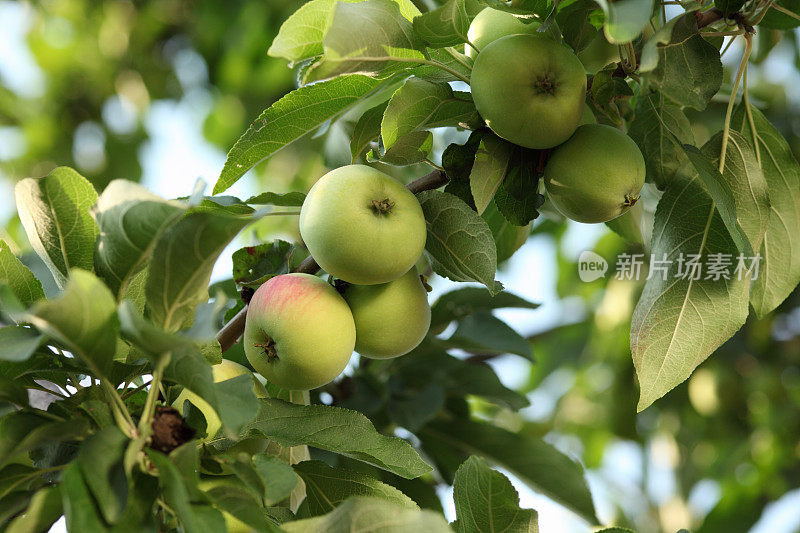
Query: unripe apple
[596, 175]
[529, 90]
[299, 332]
[362, 226]
[391, 318]
[491, 24]
[221, 372]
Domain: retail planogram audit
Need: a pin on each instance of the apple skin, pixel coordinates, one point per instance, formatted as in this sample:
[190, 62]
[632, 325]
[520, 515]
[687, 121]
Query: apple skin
[529, 90]
[588, 116]
[491, 24]
[596, 175]
[391, 318]
[362, 226]
[299, 333]
[221, 372]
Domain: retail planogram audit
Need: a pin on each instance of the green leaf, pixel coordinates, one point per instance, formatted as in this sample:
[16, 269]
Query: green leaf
[22, 432]
[253, 265]
[663, 152]
[619, 530]
[18, 342]
[485, 500]
[517, 198]
[55, 213]
[508, 237]
[779, 273]
[610, 95]
[79, 508]
[483, 333]
[776, 20]
[409, 149]
[84, 318]
[421, 104]
[13, 392]
[681, 64]
[237, 501]
[384, 43]
[45, 508]
[459, 241]
[366, 130]
[300, 36]
[278, 478]
[195, 518]
[287, 199]
[491, 163]
[729, 6]
[320, 426]
[625, 19]
[152, 340]
[288, 119]
[448, 24]
[457, 161]
[677, 323]
[371, 515]
[18, 277]
[130, 219]
[747, 183]
[412, 408]
[328, 487]
[100, 459]
[535, 462]
[182, 262]
[233, 399]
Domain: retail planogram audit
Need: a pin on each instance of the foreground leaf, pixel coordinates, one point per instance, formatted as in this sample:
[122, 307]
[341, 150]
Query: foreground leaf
[182, 263]
[448, 24]
[45, 508]
[679, 321]
[84, 318]
[79, 509]
[320, 426]
[18, 277]
[100, 459]
[459, 241]
[683, 65]
[491, 163]
[534, 461]
[18, 342]
[780, 250]
[327, 487]
[130, 218]
[288, 119]
[55, 213]
[625, 19]
[371, 515]
[486, 500]
[384, 43]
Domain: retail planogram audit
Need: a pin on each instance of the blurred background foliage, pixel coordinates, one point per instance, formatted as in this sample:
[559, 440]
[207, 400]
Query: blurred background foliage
[81, 82]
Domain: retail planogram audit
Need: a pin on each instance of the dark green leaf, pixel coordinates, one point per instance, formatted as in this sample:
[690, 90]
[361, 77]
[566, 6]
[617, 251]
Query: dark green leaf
[253, 265]
[460, 303]
[485, 500]
[320, 426]
[79, 508]
[483, 333]
[100, 459]
[287, 199]
[45, 508]
[18, 277]
[18, 342]
[459, 241]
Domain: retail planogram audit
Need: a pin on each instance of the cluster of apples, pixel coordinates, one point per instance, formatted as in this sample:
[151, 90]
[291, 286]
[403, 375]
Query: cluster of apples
[531, 91]
[367, 231]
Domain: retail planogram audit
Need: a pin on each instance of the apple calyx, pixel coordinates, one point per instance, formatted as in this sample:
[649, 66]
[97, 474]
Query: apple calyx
[269, 349]
[382, 207]
[545, 84]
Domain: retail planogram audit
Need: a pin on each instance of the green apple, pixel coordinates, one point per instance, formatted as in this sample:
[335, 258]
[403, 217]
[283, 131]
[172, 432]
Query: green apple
[221, 372]
[362, 226]
[596, 175]
[491, 24]
[529, 90]
[299, 332]
[588, 116]
[598, 54]
[391, 318]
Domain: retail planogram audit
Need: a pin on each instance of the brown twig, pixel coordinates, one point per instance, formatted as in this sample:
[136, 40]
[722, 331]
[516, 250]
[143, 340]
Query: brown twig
[230, 332]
